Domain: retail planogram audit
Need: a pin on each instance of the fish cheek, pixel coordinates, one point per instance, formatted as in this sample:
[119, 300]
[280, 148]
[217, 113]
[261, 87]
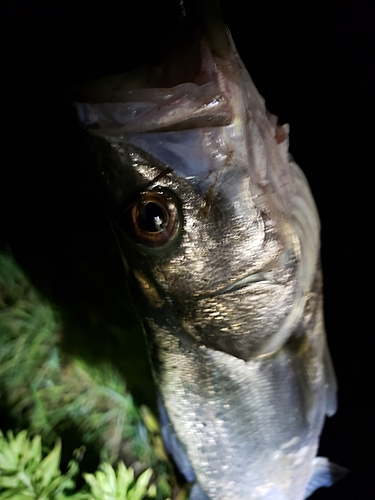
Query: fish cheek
[240, 323]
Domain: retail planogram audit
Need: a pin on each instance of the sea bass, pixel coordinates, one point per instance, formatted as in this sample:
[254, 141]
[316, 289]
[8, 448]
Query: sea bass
[220, 235]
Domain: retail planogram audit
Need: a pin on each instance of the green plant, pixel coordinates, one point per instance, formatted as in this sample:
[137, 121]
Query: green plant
[64, 398]
[108, 484]
[25, 473]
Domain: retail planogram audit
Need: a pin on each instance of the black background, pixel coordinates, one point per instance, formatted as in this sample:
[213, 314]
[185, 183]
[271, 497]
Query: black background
[313, 63]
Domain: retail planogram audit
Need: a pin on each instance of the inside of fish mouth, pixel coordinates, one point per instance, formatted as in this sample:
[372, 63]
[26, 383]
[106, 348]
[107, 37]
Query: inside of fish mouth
[186, 59]
[182, 64]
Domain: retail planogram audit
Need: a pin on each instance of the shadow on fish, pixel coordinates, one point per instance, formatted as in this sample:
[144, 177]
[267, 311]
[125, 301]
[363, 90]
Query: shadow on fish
[220, 238]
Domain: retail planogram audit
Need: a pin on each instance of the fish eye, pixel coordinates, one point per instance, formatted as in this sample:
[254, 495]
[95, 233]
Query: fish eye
[152, 219]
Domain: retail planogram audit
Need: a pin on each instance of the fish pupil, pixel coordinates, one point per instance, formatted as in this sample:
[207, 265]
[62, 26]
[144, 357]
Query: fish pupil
[152, 218]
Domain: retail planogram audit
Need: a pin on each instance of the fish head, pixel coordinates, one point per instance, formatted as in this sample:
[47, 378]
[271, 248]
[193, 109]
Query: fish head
[216, 221]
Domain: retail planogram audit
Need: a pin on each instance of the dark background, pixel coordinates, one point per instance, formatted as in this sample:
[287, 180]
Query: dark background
[314, 66]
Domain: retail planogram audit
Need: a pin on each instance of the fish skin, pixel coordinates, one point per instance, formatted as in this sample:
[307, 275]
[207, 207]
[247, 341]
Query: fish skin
[232, 305]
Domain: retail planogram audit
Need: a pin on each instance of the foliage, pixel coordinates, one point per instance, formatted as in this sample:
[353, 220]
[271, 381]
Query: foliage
[51, 392]
[26, 474]
[65, 399]
[106, 484]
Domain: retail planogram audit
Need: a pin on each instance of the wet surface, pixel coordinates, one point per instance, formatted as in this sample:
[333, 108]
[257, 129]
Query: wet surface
[314, 70]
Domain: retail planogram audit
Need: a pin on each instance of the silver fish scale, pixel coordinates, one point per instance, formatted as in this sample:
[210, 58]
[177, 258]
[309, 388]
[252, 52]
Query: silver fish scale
[280, 415]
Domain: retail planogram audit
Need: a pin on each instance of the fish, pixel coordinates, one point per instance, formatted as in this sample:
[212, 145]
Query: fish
[220, 238]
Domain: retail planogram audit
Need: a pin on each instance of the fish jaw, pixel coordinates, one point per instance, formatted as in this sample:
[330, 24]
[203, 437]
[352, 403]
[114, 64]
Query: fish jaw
[232, 305]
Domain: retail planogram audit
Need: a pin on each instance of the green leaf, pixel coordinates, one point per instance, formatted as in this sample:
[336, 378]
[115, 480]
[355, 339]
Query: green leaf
[26, 482]
[49, 468]
[125, 478]
[141, 486]
[8, 459]
[9, 482]
[33, 450]
[19, 443]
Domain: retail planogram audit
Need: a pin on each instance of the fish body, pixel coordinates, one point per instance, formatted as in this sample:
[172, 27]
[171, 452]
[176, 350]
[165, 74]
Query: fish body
[220, 235]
